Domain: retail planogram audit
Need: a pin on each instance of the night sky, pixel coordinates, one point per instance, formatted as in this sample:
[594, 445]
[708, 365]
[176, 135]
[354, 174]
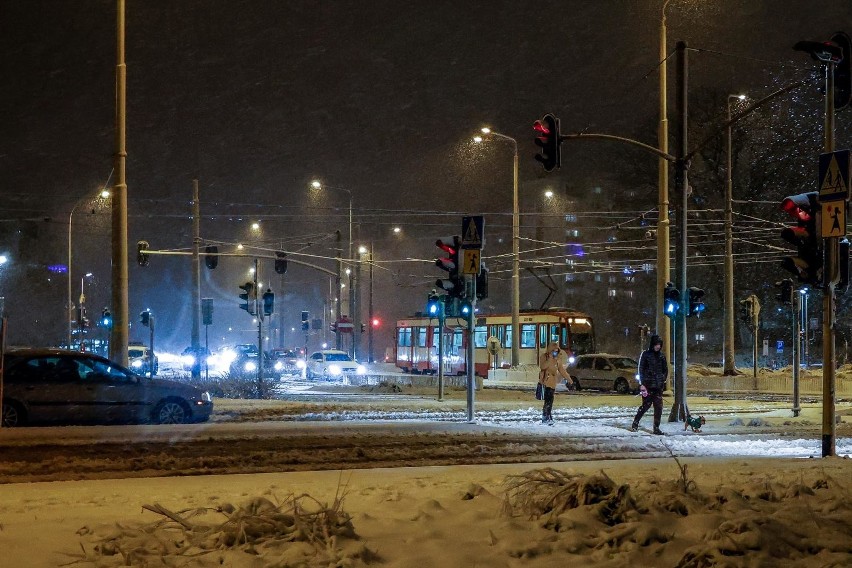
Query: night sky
[255, 99]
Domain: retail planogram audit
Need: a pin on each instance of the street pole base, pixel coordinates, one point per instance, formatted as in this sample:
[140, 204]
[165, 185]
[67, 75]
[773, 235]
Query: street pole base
[679, 412]
[827, 445]
[796, 411]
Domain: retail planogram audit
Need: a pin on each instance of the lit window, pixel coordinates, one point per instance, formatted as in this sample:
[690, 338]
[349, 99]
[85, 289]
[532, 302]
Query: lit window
[575, 233]
[611, 279]
[598, 278]
[570, 218]
[611, 293]
[569, 277]
[628, 293]
[699, 337]
[597, 190]
[647, 267]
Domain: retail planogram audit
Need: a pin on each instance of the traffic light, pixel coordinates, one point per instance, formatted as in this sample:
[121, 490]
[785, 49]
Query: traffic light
[843, 71]
[106, 318]
[280, 262]
[465, 308]
[482, 284]
[248, 297]
[671, 300]
[454, 285]
[145, 318]
[807, 265]
[785, 291]
[211, 256]
[363, 327]
[376, 322]
[268, 302]
[547, 138]
[333, 327]
[142, 257]
[696, 301]
[434, 305]
[306, 324]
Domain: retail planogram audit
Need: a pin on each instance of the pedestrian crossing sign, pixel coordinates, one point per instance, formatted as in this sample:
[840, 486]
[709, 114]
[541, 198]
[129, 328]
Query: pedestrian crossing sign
[833, 219]
[472, 232]
[834, 174]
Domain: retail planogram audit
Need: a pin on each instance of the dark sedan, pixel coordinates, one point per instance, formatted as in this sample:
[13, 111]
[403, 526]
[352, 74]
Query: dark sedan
[67, 387]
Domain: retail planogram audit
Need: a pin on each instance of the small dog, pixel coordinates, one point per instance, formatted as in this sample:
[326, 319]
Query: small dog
[694, 422]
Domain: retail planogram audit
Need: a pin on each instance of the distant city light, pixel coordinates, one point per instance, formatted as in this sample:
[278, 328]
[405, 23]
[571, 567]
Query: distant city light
[548, 194]
[55, 268]
[486, 130]
[240, 246]
[105, 194]
[477, 139]
[255, 226]
[316, 184]
[362, 249]
[4, 259]
[396, 229]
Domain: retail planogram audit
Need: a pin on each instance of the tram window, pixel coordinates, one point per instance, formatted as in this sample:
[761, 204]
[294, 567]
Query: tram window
[404, 337]
[528, 336]
[458, 336]
[435, 337]
[497, 331]
[554, 332]
[542, 336]
[480, 337]
[421, 337]
[507, 336]
[564, 336]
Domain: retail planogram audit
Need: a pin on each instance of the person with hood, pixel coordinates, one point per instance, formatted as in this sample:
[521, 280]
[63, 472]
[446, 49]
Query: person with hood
[653, 370]
[551, 366]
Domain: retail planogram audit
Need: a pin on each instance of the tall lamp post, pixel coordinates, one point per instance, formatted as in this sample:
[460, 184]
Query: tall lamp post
[728, 356]
[516, 251]
[317, 184]
[104, 194]
[663, 323]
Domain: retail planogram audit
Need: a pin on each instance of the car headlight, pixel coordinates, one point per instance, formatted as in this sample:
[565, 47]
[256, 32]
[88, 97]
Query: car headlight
[278, 365]
[188, 360]
[334, 370]
[300, 364]
[362, 370]
[571, 360]
[136, 364]
[250, 366]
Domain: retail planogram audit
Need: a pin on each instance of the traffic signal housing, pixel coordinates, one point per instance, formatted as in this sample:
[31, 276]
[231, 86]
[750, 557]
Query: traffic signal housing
[268, 302]
[211, 256]
[454, 283]
[745, 311]
[306, 326]
[106, 318]
[671, 300]
[696, 301]
[248, 298]
[434, 305]
[785, 291]
[547, 138]
[843, 71]
[807, 264]
[142, 256]
[280, 263]
[482, 284]
[145, 318]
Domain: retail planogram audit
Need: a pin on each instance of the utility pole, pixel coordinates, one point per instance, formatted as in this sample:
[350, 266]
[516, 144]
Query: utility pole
[680, 410]
[258, 309]
[470, 367]
[121, 322]
[370, 311]
[755, 324]
[195, 339]
[664, 328]
[796, 306]
[338, 296]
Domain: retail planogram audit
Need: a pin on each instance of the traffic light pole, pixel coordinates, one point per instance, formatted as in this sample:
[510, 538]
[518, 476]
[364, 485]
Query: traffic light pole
[442, 318]
[471, 370]
[755, 324]
[796, 306]
[831, 275]
[195, 340]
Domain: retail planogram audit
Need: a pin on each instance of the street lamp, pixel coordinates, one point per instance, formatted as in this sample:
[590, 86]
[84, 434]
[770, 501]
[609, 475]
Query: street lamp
[317, 184]
[728, 355]
[103, 194]
[516, 252]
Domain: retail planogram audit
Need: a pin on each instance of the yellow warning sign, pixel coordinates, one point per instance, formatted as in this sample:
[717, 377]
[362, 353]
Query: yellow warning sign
[832, 179]
[472, 261]
[833, 219]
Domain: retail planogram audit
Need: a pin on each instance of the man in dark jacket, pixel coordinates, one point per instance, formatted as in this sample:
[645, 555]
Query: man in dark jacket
[653, 370]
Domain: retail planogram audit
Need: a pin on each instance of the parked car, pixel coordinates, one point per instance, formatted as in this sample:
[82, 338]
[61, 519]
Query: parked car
[68, 387]
[330, 363]
[605, 371]
[142, 360]
[287, 361]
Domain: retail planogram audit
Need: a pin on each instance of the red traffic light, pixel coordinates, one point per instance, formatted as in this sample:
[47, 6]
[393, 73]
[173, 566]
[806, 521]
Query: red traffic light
[376, 322]
[548, 139]
[539, 126]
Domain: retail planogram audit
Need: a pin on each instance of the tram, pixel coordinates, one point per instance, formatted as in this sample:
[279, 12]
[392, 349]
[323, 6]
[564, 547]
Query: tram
[416, 340]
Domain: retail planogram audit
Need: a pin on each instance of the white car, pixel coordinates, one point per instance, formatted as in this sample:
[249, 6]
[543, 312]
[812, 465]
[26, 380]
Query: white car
[330, 363]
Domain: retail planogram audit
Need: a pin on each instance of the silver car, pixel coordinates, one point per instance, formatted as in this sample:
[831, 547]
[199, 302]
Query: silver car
[604, 371]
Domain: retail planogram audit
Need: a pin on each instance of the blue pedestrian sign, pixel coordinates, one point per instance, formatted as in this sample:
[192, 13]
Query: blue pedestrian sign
[779, 346]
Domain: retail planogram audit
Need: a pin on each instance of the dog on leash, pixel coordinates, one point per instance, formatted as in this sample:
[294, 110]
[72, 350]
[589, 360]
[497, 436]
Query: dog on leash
[694, 422]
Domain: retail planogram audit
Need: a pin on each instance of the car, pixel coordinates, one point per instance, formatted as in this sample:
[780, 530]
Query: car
[68, 387]
[330, 363]
[141, 360]
[605, 371]
[191, 355]
[287, 361]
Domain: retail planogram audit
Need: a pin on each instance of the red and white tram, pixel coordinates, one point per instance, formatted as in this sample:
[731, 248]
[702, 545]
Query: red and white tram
[416, 343]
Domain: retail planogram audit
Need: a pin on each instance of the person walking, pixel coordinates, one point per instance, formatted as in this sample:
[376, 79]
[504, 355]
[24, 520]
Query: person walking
[653, 370]
[551, 366]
